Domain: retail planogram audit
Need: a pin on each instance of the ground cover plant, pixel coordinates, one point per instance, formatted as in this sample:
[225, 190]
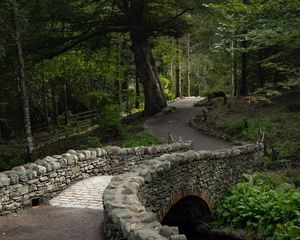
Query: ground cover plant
[266, 204]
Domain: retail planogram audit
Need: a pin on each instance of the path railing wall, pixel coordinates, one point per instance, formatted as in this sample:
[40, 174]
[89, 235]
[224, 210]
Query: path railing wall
[46, 177]
[136, 202]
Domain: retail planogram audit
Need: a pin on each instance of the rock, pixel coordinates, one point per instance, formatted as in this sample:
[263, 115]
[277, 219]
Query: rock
[178, 237]
[167, 231]
[13, 175]
[4, 180]
[19, 169]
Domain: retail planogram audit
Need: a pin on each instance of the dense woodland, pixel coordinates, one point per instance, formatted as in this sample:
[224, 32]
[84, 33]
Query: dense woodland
[61, 58]
[69, 65]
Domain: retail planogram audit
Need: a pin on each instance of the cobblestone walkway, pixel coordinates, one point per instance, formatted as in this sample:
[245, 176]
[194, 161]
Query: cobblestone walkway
[84, 194]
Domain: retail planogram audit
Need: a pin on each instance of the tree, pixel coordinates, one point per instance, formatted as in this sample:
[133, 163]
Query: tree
[141, 19]
[13, 17]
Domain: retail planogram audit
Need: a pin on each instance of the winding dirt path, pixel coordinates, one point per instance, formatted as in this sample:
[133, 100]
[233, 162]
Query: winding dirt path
[75, 215]
[177, 123]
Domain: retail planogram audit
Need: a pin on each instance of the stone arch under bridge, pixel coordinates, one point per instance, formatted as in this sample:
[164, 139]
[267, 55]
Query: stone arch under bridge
[137, 202]
[189, 214]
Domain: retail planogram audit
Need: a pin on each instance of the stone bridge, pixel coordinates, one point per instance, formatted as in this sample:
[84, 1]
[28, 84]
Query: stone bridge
[176, 189]
[152, 185]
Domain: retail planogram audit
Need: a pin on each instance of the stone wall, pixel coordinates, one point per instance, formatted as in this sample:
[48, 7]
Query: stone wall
[136, 202]
[46, 177]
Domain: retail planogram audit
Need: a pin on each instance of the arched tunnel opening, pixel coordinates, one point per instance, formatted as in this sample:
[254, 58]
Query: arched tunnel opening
[191, 215]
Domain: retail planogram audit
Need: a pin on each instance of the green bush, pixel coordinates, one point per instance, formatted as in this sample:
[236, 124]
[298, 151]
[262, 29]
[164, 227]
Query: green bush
[140, 139]
[110, 121]
[259, 207]
[254, 125]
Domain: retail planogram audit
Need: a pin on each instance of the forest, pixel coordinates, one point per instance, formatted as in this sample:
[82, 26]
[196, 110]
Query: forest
[61, 58]
[67, 66]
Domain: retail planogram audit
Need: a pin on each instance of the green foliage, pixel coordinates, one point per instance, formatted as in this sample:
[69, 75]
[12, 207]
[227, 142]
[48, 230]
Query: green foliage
[140, 139]
[262, 206]
[254, 125]
[166, 88]
[130, 98]
[91, 142]
[100, 98]
[285, 148]
[236, 126]
[271, 31]
[110, 121]
[9, 162]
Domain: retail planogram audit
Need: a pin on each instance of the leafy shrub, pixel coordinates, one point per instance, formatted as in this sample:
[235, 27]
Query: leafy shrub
[257, 207]
[285, 148]
[110, 121]
[140, 139]
[233, 125]
[254, 125]
[167, 89]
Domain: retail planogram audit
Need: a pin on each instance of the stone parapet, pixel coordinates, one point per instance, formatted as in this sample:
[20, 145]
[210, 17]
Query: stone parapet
[48, 176]
[136, 202]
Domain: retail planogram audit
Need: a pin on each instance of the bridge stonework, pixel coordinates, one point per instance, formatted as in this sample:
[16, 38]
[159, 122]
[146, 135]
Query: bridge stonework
[47, 177]
[136, 202]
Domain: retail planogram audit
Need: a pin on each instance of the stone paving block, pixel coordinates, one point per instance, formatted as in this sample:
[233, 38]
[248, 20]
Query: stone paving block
[84, 194]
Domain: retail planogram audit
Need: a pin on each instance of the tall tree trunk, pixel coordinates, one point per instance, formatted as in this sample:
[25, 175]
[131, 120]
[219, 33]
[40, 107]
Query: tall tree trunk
[45, 99]
[233, 66]
[119, 83]
[243, 89]
[92, 106]
[54, 105]
[1, 138]
[66, 104]
[172, 67]
[178, 74]
[188, 66]
[25, 101]
[148, 74]
[261, 72]
[137, 91]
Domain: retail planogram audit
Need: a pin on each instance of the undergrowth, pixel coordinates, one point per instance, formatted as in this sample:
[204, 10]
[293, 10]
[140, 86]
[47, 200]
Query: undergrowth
[140, 139]
[267, 204]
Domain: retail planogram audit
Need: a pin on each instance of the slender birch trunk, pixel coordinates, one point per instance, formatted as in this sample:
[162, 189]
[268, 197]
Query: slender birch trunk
[25, 100]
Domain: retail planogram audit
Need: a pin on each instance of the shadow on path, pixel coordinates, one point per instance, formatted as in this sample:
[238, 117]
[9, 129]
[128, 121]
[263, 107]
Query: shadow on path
[177, 123]
[86, 223]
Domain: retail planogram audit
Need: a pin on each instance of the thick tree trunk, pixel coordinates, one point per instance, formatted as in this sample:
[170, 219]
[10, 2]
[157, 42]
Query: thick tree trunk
[243, 89]
[54, 105]
[178, 75]
[233, 66]
[25, 101]
[148, 74]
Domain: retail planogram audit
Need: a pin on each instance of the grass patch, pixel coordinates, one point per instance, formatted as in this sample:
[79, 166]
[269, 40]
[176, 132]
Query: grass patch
[281, 127]
[91, 142]
[140, 139]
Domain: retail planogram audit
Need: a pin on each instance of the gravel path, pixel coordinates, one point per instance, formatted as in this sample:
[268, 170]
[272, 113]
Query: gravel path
[177, 123]
[76, 213]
